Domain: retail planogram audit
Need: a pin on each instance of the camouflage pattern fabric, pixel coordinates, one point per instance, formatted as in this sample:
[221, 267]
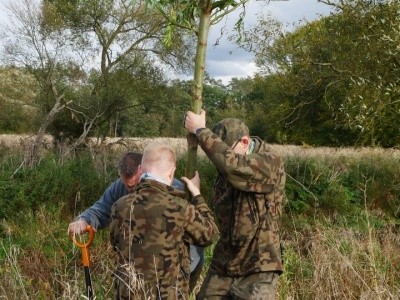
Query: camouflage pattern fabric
[151, 230]
[257, 286]
[230, 130]
[247, 201]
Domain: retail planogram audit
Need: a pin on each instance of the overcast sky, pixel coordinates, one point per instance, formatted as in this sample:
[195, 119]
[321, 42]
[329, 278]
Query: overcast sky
[226, 60]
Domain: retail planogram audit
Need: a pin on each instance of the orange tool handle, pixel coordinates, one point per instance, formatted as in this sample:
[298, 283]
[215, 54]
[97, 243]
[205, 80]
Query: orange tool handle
[85, 246]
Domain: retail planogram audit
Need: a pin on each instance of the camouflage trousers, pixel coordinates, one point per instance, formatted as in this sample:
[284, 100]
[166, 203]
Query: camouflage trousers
[257, 286]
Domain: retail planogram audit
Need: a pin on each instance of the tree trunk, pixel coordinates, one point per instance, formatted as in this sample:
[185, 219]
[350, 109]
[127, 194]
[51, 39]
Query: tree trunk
[32, 156]
[197, 88]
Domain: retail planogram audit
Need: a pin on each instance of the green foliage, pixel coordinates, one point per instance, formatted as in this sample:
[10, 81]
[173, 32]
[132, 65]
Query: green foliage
[74, 184]
[377, 178]
[295, 266]
[133, 90]
[134, 101]
[18, 89]
[331, 186]
[337, 185]
[335, 77]
[328, 82]
[79, 95]
[259, 103]
[16, 118]
[40, 261]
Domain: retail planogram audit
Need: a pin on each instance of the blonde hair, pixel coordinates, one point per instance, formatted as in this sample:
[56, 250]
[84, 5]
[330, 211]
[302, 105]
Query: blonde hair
[158, 158]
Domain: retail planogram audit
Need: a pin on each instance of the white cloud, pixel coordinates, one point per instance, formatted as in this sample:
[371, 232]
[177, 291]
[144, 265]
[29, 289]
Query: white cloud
[225, 60]
[225, 70]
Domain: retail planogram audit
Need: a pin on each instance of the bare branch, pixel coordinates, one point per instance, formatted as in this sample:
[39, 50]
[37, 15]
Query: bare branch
[338, 4]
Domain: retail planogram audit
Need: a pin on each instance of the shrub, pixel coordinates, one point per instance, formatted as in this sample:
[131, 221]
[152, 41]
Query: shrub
[76, 184]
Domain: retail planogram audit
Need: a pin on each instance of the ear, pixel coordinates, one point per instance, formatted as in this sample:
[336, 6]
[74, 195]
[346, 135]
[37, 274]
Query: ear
[245, 140]
[139, 170]
[171, 173]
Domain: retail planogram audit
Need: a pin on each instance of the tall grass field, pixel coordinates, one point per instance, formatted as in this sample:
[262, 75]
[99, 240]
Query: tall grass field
[340, 227]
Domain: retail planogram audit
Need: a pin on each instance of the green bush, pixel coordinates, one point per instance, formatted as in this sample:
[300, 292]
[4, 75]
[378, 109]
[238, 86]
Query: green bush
[343, 184]
[329, 186]
[76, 184]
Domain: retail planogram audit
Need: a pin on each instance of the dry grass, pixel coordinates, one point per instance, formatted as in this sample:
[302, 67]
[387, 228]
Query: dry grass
[180, 146]
[322, 263]
[353, 152]
[16, 140]
[342, 264]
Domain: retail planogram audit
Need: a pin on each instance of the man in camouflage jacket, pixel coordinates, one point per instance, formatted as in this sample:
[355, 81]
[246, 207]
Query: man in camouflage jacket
[98, 215]
[151, 230]
[248, 196]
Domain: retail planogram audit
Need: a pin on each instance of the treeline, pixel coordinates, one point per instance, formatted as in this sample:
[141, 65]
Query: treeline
[330, 82]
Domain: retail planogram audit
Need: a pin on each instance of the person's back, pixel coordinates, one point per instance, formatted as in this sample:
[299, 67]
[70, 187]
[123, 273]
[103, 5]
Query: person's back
[249, 203]
[248, 196]
[98, 215]
[148, 232]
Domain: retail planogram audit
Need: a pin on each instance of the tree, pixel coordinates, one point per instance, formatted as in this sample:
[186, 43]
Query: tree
[39, 53]
[159, 106]
[60, 49]
[370, 31]
[196, 16]
[338, 75]
[17, 92]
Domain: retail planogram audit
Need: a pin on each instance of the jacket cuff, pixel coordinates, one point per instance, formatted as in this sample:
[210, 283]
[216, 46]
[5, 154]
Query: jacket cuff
[197, 200]
[198, 130]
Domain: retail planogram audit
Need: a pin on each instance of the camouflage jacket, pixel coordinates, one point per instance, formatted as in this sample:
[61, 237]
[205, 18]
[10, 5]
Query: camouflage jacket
[248, 196]
[151, 230]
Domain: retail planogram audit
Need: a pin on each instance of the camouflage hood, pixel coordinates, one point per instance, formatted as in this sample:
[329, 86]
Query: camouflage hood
[230, 130]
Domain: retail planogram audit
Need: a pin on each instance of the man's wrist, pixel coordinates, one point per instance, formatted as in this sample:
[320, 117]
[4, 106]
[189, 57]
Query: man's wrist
[195, 194]
[195, 200]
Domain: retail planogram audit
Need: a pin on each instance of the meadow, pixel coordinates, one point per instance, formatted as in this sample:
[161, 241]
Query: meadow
[340, 225]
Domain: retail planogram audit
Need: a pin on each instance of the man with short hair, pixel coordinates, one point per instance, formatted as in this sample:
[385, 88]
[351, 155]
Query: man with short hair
[98, 215]
[152, 227]
[247, 201]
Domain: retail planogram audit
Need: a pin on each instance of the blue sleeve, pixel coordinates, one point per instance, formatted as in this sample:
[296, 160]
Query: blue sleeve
[178, 184]
[98, 215]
